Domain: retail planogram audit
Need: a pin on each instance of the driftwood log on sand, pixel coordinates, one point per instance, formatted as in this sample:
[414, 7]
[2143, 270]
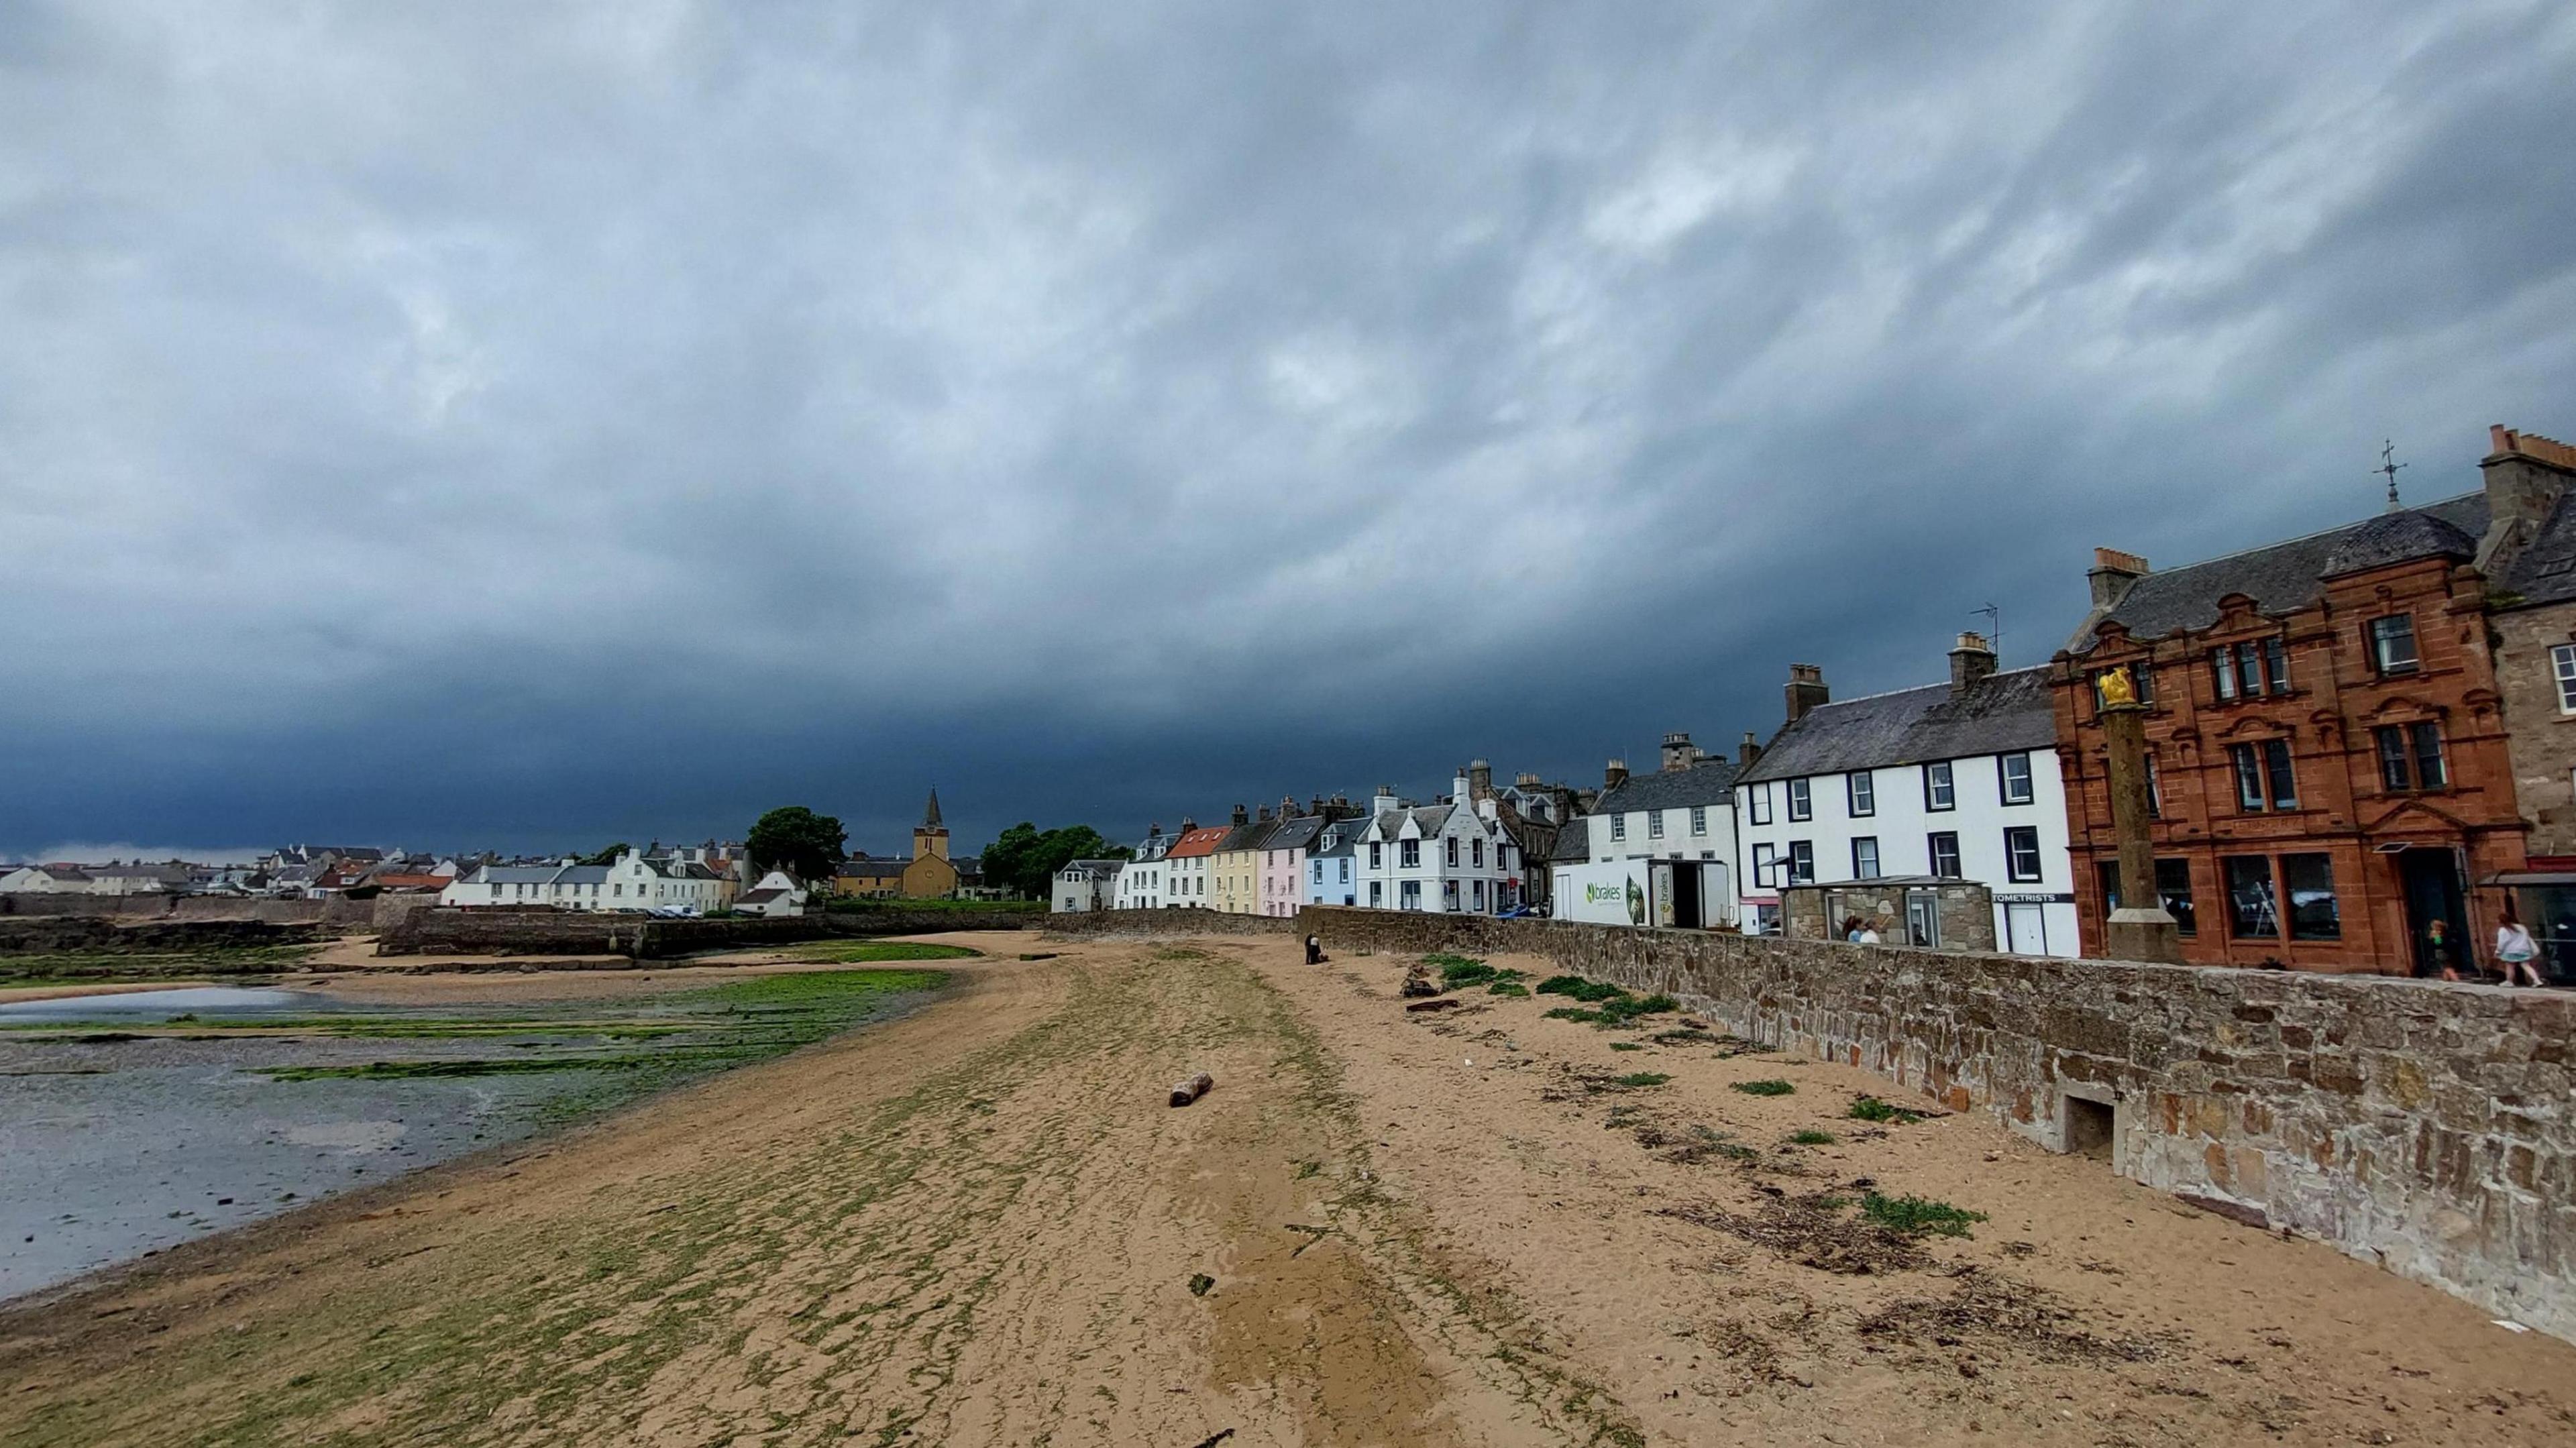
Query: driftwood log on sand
[1193, 1088]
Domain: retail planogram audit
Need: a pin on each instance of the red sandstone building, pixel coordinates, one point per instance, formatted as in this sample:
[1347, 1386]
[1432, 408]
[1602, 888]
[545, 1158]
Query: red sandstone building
[2325, 737]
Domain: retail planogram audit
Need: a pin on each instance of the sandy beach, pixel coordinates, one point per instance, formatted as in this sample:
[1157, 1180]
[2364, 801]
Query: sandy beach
[982, 1223]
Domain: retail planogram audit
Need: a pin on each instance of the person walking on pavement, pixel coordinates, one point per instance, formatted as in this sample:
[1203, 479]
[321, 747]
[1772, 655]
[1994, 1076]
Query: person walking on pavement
[2516, 951]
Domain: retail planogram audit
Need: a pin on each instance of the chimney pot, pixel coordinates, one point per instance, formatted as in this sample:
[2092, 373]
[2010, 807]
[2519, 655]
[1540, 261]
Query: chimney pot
[1748, 752]
[1614, 774]
[1242, 816]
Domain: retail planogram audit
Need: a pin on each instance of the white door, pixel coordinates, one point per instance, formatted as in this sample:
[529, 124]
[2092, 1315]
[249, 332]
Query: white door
[2025, 930]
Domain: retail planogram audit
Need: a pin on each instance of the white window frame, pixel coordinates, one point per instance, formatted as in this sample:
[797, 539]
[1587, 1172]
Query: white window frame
[1942, 796]
[2004, 778]
[1757, 802]
[1654, 824]
[2562, 663]
[1802, 799]
[1860, 793]
[1699, 820]
[1766, 867]
[2012, 859]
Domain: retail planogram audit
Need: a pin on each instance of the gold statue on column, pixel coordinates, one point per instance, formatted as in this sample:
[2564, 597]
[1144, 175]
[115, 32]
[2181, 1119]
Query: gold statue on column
[2117, 691]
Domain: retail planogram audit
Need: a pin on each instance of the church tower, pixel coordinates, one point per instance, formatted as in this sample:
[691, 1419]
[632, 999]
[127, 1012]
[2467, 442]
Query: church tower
[930, 837]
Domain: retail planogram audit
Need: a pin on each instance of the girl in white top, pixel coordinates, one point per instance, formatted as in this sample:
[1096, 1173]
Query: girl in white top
[2516, 951]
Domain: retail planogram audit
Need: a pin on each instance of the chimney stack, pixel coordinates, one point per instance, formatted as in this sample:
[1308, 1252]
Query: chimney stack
[1748, 752]
[1383, 802]
[1615, 775]
[1242, 817]
[2112, 573]
[1971, 663]
[1806, 690]
[1461, 789]
[1526, 780]
[2524, 474]
[1263, 814]
[1678, 753]
[1480, 779]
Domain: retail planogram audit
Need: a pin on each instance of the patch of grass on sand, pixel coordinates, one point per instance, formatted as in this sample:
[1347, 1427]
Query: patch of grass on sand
[1870, 1108]
[1508, 988]
[1625, 1046]
[855, 952]
[1918, 1216]
[1770, 1087]
[1636, 1080]
[1810, 1136]
[1459, 970]
[1579, 988]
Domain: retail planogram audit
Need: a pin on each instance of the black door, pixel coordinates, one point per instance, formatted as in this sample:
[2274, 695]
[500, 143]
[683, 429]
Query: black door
[1686, 896]
[2432, 883]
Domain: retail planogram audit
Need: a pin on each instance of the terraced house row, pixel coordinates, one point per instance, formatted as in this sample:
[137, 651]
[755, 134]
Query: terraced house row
[2361, 757]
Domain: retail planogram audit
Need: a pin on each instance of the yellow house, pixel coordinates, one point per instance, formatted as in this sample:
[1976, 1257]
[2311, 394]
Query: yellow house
[931, 875]
[868, 877]
[1234, 871]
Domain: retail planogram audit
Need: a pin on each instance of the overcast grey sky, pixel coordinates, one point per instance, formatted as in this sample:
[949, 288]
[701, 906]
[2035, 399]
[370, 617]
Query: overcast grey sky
[521, 424]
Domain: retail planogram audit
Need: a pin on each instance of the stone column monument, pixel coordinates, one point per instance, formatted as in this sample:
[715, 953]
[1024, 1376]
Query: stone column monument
[2140, 929]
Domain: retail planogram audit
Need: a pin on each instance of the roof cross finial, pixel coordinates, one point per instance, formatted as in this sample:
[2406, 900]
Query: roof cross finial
[2388, 465]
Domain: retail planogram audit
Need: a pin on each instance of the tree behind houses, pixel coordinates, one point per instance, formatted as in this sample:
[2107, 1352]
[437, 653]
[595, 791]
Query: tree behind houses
[795, 839]
[1024, 860]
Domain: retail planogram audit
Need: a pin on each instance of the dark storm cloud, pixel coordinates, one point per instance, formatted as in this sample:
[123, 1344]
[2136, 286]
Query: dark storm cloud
[497, 423]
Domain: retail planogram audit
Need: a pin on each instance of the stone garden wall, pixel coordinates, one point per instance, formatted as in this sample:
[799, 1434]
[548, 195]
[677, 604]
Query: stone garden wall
[2425, 1126]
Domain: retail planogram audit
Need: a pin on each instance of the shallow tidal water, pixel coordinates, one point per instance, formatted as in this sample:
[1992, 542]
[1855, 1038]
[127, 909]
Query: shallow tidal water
[115, 1145]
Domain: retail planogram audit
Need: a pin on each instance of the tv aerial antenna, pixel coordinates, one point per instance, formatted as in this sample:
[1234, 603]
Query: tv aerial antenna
[1993, 614]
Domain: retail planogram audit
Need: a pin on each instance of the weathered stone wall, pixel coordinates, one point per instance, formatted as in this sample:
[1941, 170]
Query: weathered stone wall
[100, 934]
[1170, 922]
[334, 911]
[451, 930]
[2542, 740]
[2428, 1127]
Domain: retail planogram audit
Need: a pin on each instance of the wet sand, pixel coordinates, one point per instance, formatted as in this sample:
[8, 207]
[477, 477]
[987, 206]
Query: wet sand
[981, 1223]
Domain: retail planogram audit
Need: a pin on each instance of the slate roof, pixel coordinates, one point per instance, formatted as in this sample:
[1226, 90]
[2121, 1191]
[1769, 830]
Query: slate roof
[2545, 570]
[514, 874]
[1573, 843]
[2400, 537]
[1427, 820]
[1246, 837]
[1711, 781]
[1344, 836]
[2005, 712]
[1295, 833]
[1092, 869]
[2279, 578]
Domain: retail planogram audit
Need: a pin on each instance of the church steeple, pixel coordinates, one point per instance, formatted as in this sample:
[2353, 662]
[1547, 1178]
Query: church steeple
[930, 837]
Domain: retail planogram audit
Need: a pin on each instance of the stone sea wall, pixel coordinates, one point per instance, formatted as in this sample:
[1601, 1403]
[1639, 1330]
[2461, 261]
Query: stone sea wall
[2425, 1126]
[453, 930]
